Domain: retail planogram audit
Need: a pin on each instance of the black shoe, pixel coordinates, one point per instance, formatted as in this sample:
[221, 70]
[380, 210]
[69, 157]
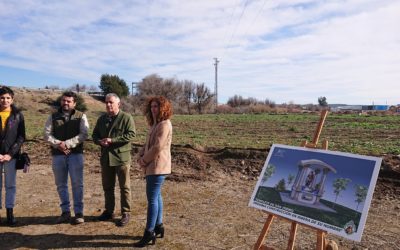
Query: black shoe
[106, 216]
[11, 221]
[124, 219]
[159, 230]
[64, 218]
[147, 237]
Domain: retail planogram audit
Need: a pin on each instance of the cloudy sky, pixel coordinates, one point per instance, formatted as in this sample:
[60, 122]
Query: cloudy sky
[283, 50]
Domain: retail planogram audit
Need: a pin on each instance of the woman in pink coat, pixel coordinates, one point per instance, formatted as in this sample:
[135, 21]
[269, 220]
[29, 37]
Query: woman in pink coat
[155, 160]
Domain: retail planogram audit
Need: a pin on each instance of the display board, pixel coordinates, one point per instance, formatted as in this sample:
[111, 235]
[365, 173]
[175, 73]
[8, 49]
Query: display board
[324, 189]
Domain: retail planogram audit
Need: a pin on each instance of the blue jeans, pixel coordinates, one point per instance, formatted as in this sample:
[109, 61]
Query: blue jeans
[10, 178]
[72, 164]
[154, 200]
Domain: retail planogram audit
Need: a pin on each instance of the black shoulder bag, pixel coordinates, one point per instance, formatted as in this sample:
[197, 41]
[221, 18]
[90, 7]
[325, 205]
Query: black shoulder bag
[22, 160]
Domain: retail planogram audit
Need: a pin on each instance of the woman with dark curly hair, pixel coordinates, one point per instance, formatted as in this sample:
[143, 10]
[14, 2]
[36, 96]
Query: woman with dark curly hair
[155, 160]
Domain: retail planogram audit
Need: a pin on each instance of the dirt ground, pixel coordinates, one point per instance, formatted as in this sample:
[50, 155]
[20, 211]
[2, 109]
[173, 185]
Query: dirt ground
[206, 207]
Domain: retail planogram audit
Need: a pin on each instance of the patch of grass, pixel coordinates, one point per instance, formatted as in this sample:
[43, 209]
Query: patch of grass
[350, 133]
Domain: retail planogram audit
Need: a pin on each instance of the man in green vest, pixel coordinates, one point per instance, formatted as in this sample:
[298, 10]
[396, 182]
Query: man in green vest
[114, 132]
[65, 131]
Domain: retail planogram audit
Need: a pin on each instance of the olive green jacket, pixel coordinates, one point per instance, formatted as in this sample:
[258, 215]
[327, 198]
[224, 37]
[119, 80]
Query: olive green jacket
[121, 131]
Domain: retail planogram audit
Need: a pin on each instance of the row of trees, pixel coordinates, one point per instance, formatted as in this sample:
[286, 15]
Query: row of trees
[238, 100]
[186, 95]
[75, 87]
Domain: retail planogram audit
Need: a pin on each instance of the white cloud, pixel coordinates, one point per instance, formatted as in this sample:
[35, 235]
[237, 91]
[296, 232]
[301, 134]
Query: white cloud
[348, 51]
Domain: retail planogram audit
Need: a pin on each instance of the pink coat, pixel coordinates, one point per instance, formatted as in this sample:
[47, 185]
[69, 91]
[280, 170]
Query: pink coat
[156, 153]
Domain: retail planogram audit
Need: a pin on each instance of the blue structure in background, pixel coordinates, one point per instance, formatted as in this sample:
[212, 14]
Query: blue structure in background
[376, 107]
[360, 108]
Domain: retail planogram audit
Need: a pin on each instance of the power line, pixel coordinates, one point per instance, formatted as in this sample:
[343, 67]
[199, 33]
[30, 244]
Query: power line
[229, 23]
[236, 27]
[255, 18]
[238, 23]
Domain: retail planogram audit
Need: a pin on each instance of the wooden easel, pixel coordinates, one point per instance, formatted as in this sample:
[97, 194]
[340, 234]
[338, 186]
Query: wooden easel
[293, 230]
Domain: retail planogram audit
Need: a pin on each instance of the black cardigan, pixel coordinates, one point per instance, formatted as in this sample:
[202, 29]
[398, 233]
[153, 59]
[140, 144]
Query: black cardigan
[13, 136]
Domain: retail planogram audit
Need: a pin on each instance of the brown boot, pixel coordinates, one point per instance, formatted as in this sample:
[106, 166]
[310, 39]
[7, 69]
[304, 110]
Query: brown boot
[124, 219]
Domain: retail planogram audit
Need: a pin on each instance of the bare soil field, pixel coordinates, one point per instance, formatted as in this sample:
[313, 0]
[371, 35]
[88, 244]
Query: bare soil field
[206, 206]
[206, 197]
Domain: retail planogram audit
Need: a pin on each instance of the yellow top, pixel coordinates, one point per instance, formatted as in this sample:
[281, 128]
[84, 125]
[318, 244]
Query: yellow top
[4, 116]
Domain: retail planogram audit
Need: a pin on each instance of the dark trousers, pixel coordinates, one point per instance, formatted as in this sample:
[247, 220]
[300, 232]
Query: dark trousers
[108, 174]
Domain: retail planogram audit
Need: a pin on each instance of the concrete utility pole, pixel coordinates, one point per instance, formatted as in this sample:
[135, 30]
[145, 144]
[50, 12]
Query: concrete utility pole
[216, 83]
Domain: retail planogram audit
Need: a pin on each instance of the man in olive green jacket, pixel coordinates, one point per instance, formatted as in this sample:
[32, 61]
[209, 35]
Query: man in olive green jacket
[114, 132]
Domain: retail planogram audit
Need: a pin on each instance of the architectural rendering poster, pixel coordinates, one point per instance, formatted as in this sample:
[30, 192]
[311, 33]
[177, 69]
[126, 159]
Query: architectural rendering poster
[324, 189]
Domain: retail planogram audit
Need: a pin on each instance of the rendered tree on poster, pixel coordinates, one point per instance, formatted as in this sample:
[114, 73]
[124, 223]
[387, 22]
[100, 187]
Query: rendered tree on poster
[269, 171]
[281, 186]
[339, 185]
[361, 194]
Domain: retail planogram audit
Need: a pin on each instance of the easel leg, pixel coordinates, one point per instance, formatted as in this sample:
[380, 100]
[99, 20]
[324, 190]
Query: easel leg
[320, 240]
[292, 238]
[264, 232]
[325, 144]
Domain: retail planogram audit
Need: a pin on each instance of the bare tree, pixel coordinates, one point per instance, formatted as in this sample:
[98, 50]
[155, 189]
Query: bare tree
[53, 87]
[270, 103]
[253, 101]
[188, 88]
[132, 104]
[150, 85]
[155, 85]
[171, 89]
[237, 101]
[202, 97]
[93, 88]
[78, 87]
